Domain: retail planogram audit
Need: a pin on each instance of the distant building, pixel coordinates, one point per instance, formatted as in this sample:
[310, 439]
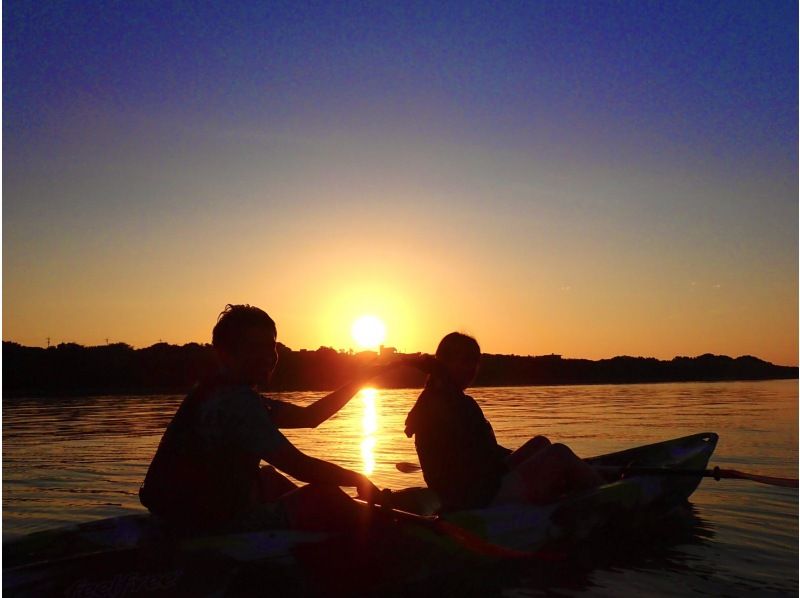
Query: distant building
[551, 357]
[387, 351]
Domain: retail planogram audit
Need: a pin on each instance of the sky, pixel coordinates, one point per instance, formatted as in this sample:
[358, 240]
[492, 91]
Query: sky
[583, 178]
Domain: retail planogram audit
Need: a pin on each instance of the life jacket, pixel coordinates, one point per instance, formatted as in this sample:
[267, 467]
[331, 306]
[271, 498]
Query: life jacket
[456, 446]
[192, 485]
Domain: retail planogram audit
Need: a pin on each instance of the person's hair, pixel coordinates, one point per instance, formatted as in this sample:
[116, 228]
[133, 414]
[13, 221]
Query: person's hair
[234, 321]
[458, 346]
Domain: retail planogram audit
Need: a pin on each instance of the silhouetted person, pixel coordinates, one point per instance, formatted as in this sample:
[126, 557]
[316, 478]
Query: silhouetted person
[457, 449]
[206, 472]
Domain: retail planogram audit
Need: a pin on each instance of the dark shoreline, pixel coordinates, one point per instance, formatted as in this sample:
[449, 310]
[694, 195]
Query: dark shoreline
[114, 370]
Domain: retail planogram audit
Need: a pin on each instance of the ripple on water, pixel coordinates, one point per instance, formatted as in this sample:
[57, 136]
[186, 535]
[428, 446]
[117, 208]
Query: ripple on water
[73, 460]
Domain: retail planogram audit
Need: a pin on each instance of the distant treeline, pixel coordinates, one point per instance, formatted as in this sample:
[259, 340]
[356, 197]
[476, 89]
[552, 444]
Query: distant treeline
[71, 369]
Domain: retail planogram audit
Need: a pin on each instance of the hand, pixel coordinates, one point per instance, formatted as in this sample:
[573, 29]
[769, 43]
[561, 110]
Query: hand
[374, 371]
[367, 491]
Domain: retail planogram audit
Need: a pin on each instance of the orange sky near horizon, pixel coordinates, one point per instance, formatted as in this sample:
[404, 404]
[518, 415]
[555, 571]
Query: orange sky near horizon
[515, 291]
[529, 261]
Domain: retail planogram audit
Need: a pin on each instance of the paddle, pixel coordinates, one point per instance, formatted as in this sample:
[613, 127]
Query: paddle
[467, 539]
[716, 473]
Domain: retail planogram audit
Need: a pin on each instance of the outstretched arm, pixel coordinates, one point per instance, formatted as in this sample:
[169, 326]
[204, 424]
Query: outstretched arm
[297, 464]
[286, 415]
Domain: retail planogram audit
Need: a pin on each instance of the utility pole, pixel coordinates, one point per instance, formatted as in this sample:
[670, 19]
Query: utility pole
[48, 342]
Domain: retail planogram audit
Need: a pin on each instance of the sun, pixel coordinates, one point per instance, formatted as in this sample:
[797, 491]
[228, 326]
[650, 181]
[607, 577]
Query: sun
[368, 332]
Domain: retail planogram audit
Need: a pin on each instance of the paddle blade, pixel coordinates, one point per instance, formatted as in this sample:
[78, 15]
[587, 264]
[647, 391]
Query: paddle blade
[408, 467]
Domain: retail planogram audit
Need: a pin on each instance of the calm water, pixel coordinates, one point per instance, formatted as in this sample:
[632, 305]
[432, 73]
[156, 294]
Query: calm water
[80, 459]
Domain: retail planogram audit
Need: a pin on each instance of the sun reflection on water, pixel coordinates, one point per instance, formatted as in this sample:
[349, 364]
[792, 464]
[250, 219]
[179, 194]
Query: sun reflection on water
[369, 424]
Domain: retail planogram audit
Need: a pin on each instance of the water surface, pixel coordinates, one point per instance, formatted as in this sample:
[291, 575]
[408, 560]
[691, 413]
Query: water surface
[72, 460]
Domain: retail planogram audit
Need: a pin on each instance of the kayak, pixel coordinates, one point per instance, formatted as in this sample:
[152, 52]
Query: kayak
[135, 555]
[132, 555]
[625, 502]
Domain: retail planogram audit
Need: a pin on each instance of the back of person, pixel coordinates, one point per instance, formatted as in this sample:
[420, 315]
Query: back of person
[206, 468]
[457, 449]
[456, 446]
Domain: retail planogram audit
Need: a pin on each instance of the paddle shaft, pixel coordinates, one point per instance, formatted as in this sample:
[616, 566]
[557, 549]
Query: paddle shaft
[716, 473]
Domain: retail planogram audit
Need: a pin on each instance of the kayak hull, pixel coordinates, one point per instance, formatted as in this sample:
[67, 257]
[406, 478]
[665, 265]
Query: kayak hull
[625, 501]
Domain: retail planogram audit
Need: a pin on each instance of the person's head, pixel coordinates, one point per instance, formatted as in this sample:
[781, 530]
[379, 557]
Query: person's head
[459, 354]
[244, 339]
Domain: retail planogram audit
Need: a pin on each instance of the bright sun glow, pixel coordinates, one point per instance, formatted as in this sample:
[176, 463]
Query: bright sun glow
[368, 332]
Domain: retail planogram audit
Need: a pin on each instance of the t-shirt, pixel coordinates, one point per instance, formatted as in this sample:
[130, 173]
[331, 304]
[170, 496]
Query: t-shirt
[457, 448]
[205, 469]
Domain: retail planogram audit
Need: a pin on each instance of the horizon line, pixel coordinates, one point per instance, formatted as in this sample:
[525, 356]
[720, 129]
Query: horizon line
[395, 351]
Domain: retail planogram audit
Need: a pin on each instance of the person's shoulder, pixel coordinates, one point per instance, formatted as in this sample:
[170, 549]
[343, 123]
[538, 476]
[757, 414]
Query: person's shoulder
[435, 398]
[238, 394]
[469, 398]
[235, 390]
[268, 402]
[469, 403]
[439, 388]
[231, 398]
[446, 402]
[427, 394]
